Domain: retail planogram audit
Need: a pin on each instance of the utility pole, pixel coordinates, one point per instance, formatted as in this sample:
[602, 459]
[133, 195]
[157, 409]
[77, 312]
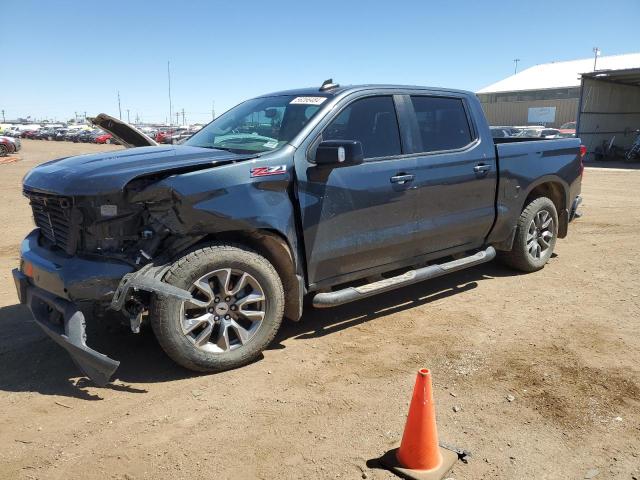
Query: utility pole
[177, 118]
[183, 122]
[169, 77]
[596, 54]
[515, 63]
[2, 115]
[119, 108]
[128, 121]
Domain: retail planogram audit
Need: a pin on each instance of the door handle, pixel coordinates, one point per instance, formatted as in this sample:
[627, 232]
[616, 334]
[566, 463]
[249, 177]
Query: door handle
[402, 178]
[481, 168]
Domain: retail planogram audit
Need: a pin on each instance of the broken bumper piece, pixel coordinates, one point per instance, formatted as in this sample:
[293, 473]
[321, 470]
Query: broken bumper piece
[65, 324]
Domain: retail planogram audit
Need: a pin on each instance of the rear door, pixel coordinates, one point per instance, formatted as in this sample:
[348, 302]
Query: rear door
[455, 175]
[358, 217]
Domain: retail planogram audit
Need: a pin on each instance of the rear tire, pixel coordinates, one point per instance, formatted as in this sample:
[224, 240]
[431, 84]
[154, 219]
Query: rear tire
[3, 150]
[535, 239]
[239, 308]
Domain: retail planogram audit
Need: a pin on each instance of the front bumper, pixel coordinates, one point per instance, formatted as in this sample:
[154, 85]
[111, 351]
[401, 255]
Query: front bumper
[74, 278]
[65, 324]
[51, 284]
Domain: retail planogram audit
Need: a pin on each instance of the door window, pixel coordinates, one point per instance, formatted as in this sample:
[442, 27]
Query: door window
[373, 122]
[442, 122]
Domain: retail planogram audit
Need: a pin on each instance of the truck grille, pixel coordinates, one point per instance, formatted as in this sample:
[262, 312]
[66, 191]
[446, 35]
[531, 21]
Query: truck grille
[52, 214]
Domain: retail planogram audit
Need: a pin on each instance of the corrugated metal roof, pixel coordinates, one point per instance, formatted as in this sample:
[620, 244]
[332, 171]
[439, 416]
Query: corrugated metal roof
[560, 74]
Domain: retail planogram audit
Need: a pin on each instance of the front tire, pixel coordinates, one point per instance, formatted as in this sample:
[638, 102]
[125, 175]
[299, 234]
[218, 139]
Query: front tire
[535, 239]
[236, 312]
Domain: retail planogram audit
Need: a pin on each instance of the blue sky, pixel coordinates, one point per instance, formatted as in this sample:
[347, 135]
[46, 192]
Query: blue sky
[74, 56]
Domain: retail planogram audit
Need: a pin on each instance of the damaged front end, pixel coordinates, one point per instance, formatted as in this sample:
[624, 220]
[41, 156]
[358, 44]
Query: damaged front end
[102, 251]
[105, 249]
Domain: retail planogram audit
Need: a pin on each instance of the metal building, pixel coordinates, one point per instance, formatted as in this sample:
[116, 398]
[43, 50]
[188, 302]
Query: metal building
[609, 108]
[547, 94]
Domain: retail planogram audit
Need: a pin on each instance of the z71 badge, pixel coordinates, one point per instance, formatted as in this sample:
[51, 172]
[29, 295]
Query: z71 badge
[267, 171]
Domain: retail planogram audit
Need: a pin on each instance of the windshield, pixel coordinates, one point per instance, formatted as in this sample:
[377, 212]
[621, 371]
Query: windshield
[258, 125]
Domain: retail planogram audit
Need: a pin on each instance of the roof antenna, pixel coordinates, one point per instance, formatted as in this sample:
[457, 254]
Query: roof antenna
[328, 85]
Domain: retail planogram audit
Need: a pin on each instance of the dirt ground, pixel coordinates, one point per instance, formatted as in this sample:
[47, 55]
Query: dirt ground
[330, 396]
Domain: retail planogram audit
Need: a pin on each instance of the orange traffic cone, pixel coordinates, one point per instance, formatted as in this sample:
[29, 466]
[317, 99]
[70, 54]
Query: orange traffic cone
[420, 457]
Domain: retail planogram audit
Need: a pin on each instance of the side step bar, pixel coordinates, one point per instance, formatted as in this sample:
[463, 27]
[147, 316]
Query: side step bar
[350, 294]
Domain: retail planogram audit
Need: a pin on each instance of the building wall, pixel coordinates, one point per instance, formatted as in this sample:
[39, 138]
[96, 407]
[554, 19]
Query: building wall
[609, 111]
[516, 112]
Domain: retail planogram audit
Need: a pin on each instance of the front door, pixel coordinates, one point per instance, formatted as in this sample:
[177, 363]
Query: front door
[358, 217]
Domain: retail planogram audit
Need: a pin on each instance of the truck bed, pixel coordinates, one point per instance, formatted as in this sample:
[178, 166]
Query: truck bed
[525, 163]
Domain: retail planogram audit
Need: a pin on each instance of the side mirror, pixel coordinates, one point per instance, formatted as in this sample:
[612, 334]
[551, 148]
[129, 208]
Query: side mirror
[339, 152]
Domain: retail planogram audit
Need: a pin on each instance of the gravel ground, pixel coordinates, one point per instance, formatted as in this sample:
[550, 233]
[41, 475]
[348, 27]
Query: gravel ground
[543, 371]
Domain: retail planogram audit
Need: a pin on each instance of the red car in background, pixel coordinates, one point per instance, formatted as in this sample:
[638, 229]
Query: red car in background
[106, 138]
[163, 135]
[7, 146]
[568, 129]
[28, 134]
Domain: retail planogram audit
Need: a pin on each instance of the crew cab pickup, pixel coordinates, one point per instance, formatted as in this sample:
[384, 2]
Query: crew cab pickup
[332, 193]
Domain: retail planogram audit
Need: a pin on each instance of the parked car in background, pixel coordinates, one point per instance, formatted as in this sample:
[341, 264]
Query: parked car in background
[89, 136]
[12, 132]
[8, 145]
[105, 138]
[550, 133]
[500, 132]
[568, 129]
[72, 135]
[29, 134]
[60, 134]
[173, 135]
[45, 134]
[179, 137]
[161, 134]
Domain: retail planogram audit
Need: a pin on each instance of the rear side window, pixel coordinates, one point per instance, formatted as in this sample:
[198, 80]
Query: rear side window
[370, 120]
[442, 122]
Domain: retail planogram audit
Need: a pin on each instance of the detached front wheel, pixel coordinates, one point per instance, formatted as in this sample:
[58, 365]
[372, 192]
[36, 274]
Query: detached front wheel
[236, 310]
[535, 238]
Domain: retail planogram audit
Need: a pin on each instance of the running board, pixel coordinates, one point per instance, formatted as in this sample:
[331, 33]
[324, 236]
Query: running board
[349, 294]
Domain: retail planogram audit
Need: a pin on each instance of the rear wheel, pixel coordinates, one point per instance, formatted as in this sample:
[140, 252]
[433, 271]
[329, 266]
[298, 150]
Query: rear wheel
[535, 239]
[236, 310]
[3, 150]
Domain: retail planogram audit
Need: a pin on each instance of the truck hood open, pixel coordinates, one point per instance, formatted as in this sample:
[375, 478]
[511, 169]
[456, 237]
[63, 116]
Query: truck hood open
[128, 135]
[109, 172]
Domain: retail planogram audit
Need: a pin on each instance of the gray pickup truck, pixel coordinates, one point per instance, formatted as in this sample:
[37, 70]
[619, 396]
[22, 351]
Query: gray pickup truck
[332, 193]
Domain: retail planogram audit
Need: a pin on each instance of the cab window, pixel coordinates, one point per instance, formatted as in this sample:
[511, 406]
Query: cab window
[442, 122]
[373, 122]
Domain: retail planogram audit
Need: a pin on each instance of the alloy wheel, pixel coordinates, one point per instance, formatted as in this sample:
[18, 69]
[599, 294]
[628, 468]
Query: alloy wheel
[540, 235]
[226, 311]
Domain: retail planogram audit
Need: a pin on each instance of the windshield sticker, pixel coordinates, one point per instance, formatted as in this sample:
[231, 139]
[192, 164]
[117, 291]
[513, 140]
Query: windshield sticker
[271, 144]
[267, 171]
[308, 101]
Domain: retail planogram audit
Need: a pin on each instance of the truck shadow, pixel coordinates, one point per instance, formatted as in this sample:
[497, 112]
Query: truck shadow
[31, 362]
[320, 322]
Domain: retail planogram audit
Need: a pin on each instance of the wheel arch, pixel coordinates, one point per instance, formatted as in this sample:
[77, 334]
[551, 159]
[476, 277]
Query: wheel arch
[556, 191]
